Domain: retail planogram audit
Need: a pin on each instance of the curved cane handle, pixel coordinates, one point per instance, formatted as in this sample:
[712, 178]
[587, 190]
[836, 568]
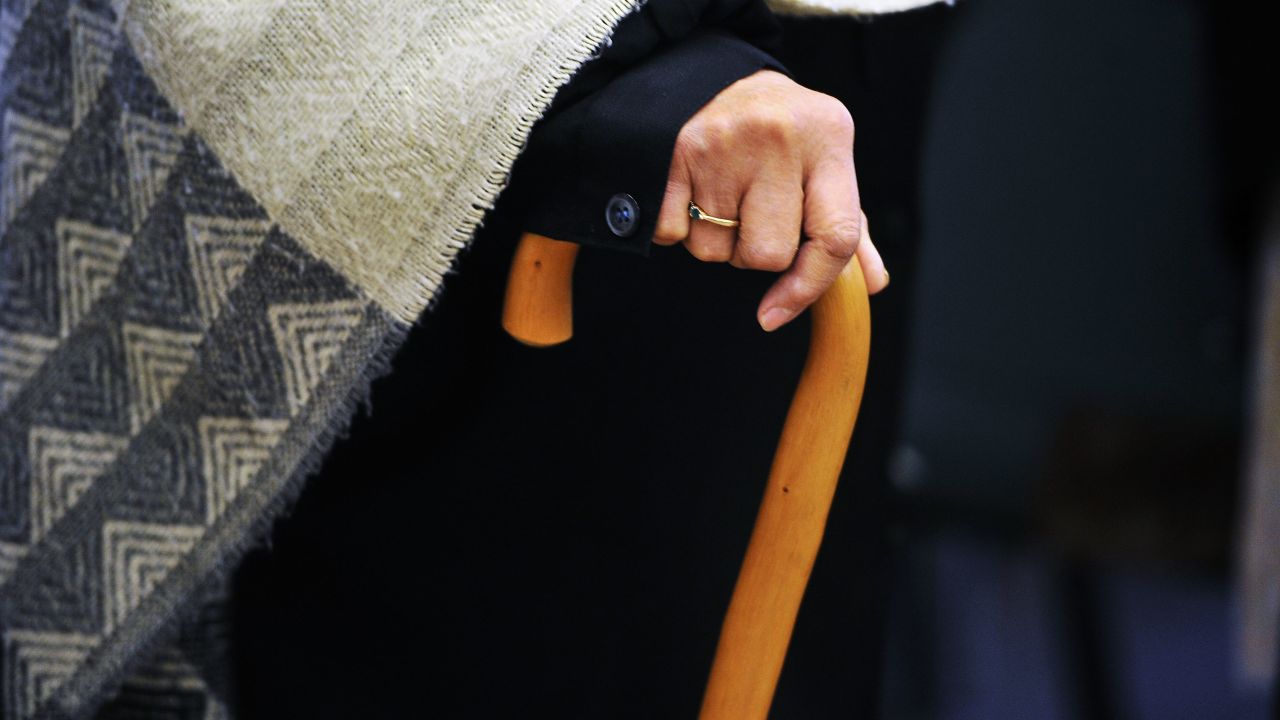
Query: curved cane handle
[806, 466]
[539, 305]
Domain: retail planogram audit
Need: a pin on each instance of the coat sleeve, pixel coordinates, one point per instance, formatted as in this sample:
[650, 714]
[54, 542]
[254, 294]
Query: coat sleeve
[595, 168]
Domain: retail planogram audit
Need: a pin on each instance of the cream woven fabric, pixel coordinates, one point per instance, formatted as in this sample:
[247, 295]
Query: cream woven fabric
[218, 220]
[322, 111]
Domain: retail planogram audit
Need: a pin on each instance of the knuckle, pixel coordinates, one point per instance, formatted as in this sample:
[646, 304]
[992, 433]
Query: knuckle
[717, 134]
[667, 234]
[710, 252]
[691, 142]
[773, 125]
[841, 118]
[834, 116]
[840, 239]
[804, 289]
[844, 120]
[765, 256]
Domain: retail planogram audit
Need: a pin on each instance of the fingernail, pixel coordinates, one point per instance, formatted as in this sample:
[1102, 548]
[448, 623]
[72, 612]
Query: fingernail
[886, 278]
[773, 318]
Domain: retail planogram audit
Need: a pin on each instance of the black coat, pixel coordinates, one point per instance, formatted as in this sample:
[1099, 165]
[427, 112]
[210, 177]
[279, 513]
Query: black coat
[559, 535]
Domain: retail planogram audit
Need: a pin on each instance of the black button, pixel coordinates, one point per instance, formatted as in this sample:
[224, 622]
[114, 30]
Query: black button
[622, 215]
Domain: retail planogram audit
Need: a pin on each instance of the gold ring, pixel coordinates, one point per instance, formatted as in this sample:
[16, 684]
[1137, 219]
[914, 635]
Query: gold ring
[697, 213]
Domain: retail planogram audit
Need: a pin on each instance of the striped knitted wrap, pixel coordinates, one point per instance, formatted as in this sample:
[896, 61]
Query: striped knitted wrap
[218, 220]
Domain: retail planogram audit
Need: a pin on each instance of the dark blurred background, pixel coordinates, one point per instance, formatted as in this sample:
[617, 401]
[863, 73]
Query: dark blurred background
[1067, 475]
[1040, 513]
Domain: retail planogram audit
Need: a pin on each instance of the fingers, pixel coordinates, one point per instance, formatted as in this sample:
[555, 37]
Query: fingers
[832, 228]
[771, 214]
[778, 158]
[873, 270]
[718, 184]
[707, 241]
[673, 216]
[717, 191]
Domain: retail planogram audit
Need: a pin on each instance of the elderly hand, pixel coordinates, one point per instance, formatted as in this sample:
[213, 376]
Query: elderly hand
[779, 158]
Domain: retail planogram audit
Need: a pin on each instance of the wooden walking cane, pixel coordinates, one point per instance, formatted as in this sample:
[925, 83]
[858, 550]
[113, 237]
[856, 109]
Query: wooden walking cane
[793, 514]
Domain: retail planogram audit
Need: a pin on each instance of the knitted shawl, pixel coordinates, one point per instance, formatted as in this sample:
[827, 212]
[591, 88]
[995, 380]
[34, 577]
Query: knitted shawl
[218, 219]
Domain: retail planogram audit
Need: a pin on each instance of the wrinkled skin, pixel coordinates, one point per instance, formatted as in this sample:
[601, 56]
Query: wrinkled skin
[778, 157]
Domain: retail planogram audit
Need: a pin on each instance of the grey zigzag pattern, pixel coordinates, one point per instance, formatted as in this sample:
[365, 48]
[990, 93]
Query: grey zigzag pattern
[170, 365]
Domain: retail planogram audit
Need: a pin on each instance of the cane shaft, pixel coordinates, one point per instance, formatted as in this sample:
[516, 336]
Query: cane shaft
[793, 515]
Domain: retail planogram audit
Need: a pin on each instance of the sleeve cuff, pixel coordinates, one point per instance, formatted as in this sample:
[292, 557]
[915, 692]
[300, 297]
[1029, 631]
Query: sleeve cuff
[599, 167]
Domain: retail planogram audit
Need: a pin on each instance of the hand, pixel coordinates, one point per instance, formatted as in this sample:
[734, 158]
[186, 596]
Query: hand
[779, 158]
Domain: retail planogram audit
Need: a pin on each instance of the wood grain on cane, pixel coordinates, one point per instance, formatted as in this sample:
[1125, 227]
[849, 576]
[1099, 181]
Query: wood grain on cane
[793, 515]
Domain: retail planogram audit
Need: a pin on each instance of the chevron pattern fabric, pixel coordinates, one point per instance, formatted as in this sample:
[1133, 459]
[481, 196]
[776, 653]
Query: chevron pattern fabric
[158, 349]
[217, 221]
[173, 360]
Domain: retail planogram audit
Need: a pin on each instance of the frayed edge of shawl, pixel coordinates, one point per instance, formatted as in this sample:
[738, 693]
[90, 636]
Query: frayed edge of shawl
[85, 694]
[430, 269]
